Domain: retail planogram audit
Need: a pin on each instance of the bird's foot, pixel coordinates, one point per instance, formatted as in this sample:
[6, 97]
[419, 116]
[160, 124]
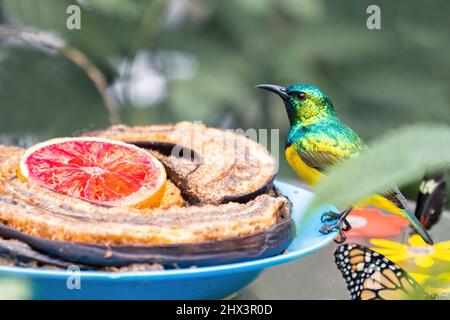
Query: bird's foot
[329, 216]
[340, 225]
[328, 228]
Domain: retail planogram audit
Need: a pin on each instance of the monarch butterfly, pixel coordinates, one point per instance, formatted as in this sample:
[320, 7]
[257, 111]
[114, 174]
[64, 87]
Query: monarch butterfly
[371, 276]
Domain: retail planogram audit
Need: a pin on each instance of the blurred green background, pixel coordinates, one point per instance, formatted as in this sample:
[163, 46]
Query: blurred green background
[166, 61]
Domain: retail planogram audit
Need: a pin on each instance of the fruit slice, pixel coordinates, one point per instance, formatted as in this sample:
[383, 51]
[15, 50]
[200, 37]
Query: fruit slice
[102, 171]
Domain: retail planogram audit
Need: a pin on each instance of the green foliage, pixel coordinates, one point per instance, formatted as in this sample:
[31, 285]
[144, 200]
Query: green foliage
[110, 28]
[401, 156]
[378, 80]
[46, 107]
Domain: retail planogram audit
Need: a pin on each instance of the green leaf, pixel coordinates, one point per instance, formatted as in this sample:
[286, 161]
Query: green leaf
[400, 157]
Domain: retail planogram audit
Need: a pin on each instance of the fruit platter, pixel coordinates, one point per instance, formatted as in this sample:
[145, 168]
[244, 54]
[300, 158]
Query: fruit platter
[161, 211]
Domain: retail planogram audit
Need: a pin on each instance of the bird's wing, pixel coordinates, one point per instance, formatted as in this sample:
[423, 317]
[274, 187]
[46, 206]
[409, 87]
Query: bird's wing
[323, 152]
[325, 144]
[337, 148]
[319, 160]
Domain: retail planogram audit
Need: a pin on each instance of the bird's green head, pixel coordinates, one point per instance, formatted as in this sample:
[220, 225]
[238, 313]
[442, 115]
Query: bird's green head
[304, 103]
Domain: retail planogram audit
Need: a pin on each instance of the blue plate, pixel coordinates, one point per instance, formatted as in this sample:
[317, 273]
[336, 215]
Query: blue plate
[214, 282]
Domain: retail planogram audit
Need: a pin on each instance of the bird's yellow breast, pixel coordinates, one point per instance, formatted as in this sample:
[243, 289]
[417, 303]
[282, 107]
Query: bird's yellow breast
[311, 175]
[308, 174]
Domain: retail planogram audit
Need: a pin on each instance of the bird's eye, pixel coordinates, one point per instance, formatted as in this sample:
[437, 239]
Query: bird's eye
[300, 95]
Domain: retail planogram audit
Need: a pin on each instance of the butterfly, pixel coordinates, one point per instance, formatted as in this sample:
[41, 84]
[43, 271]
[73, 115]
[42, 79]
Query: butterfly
[371, 276]
[430, 199]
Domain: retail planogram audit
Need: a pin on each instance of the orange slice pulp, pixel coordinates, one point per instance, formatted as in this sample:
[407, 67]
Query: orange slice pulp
[97, 170]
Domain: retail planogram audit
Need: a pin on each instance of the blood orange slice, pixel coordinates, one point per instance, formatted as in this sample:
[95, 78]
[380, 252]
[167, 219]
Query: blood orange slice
[97, 170]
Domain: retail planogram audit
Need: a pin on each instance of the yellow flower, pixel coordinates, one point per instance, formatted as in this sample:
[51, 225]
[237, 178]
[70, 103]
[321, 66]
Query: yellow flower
[433, 284]
[424, 255]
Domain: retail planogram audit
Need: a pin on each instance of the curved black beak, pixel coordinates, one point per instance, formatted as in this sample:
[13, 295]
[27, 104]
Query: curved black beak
[281, 91]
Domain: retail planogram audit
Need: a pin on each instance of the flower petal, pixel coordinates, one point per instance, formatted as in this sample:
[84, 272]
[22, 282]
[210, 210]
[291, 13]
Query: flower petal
[388, 244]
[387, 251]
[419, 277]
[416, 240]
[432, 290]
[442, 255]
[442, 245]
[424, 261]
[399, 257]
[438, 284]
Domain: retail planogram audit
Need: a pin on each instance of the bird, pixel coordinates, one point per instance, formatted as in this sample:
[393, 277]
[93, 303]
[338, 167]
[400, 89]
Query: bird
[318, 139]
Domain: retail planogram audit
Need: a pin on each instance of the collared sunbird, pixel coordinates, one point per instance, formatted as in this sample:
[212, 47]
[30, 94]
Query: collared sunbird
[318, 139]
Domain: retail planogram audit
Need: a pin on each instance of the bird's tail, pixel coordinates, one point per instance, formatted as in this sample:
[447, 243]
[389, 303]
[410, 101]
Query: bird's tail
[417, 226]
[394, 202]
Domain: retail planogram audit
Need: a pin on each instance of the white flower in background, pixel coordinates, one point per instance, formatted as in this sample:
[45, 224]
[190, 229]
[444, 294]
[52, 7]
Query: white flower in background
[143, 81]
